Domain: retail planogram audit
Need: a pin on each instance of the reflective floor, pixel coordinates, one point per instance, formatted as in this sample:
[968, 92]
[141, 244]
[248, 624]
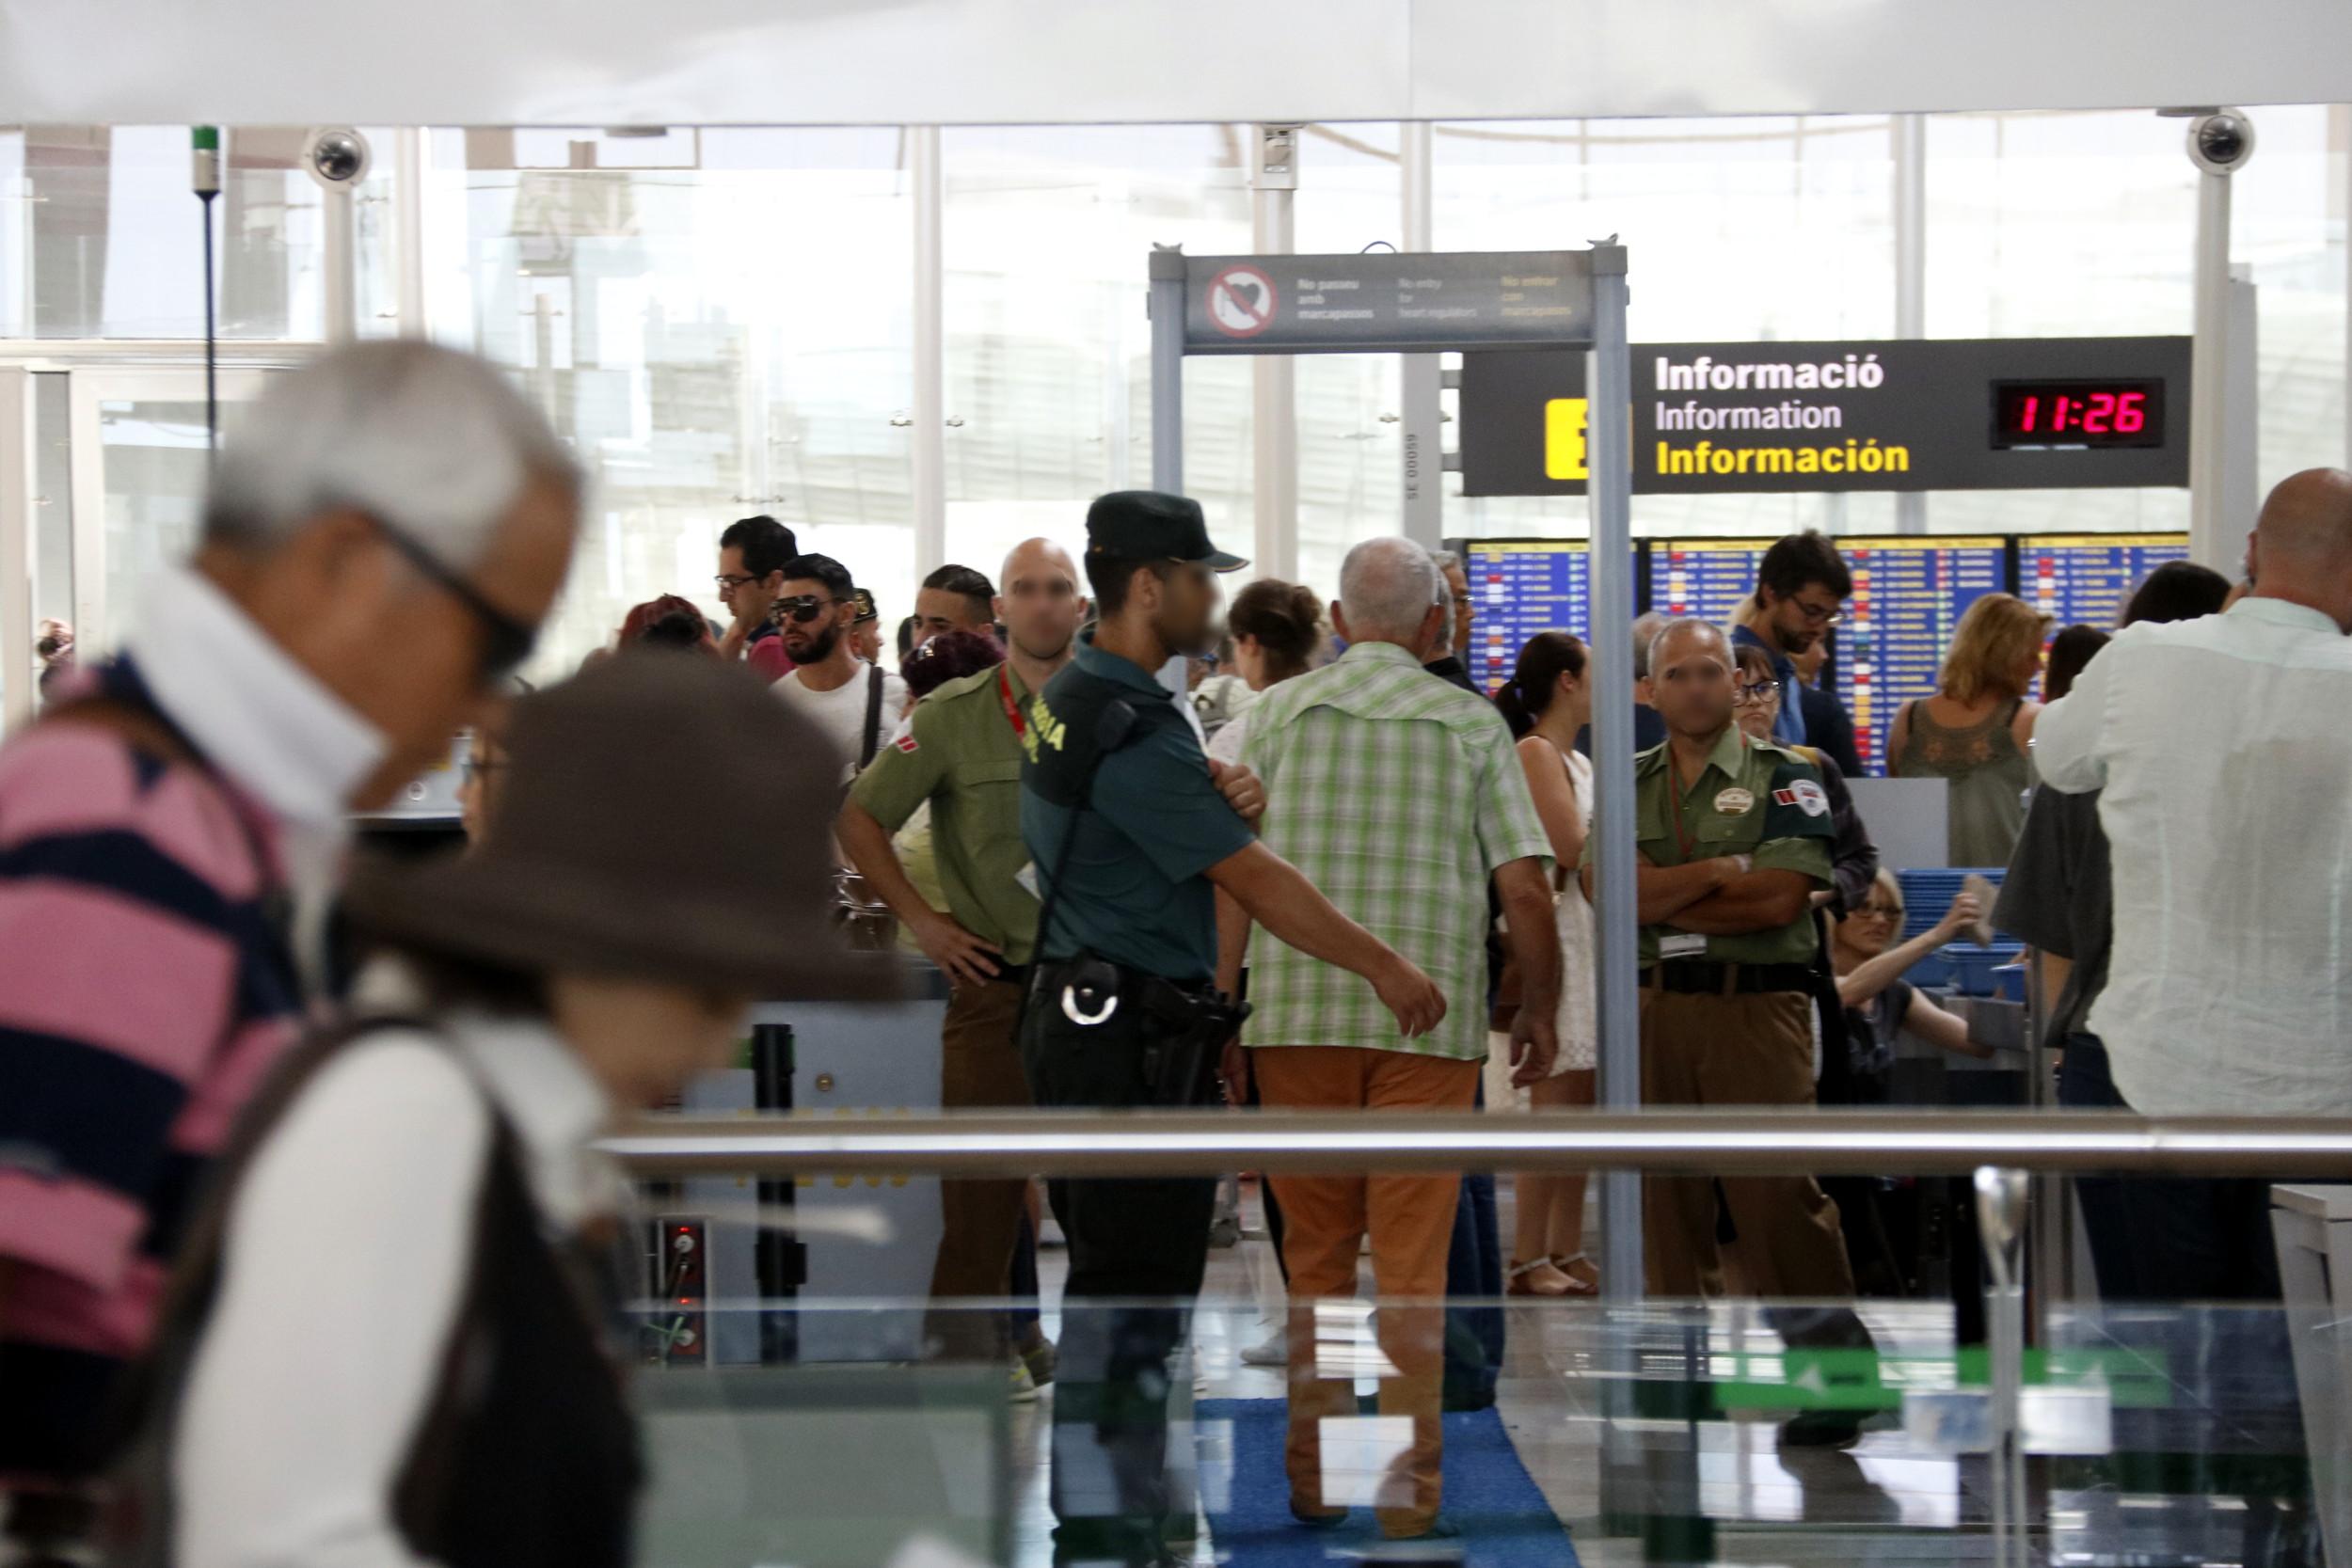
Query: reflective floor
[1659, 1435]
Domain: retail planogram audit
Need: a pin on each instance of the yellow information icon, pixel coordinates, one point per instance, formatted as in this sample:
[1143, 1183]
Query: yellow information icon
[1564, 438]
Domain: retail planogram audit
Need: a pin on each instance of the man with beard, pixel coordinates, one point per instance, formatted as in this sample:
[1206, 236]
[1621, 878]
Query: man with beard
[962, 756]
[854, 703]
[1801, 591]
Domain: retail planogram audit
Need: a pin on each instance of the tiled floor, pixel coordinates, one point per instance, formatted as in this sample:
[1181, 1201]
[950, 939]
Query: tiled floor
[1892, 1498]
[1883, 1502]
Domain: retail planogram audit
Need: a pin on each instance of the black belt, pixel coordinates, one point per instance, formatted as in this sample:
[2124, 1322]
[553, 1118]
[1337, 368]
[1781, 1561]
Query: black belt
[1697, 978]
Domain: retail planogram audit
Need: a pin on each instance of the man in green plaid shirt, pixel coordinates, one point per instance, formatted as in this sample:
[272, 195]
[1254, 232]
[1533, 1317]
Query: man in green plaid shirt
[1398, 795]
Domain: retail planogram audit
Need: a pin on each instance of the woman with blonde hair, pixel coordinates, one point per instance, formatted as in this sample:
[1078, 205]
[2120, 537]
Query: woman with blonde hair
[1975, 730]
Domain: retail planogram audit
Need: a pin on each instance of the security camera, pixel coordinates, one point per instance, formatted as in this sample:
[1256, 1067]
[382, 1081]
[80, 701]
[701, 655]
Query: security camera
[336, 155]
[2220, 142]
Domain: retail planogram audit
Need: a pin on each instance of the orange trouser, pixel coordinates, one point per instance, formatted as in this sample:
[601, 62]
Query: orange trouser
[1325, 1218]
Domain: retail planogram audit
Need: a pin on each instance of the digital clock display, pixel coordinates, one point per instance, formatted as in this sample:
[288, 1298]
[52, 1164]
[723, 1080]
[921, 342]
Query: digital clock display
[2078, 414]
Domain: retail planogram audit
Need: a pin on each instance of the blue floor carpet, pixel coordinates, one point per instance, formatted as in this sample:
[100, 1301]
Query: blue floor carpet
[1505, 1522]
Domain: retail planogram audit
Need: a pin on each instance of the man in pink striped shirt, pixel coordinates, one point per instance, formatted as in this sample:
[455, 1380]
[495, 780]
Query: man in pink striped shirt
[381, 538]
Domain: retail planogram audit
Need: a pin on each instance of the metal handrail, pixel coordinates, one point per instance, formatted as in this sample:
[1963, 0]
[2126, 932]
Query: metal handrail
[1741, 1142]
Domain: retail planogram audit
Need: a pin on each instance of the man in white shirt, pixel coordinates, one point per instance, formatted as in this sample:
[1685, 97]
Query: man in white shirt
[2227, 772]
[853, 703]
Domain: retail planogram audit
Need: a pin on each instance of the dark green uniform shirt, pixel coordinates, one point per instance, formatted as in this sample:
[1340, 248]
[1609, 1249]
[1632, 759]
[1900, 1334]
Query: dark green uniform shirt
[1133, 892]
[1752, 799]
[962, 756]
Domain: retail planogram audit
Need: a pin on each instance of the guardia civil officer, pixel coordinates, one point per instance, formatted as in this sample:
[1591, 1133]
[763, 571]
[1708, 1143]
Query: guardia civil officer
[1132, 843]
[1734, 839]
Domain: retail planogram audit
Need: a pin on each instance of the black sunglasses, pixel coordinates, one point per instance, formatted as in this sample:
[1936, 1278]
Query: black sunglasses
[803, 607]
[506, 641]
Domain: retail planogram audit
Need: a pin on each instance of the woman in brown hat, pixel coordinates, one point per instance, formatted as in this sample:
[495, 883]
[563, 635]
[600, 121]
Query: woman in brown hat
[382, 1347]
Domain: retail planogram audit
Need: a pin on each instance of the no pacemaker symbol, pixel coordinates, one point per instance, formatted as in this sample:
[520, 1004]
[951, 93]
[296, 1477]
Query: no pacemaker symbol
[1241, 301]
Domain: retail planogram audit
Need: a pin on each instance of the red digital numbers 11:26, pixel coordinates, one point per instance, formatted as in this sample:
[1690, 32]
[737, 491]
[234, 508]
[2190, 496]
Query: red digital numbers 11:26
[2097, 414]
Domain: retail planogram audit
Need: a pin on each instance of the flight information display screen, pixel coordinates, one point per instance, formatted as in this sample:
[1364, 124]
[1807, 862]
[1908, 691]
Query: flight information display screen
[1523, 586]
[1909, 595]
[1706, 577]
[2084, 579]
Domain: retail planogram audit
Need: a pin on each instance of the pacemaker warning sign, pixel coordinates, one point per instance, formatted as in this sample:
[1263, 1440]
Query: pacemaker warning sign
[1241, 301]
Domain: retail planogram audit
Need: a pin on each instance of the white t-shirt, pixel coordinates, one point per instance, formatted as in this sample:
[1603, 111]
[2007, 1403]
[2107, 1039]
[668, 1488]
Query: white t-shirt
[841, 712]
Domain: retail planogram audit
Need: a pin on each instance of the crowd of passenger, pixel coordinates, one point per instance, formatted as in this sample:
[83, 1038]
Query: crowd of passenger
[295, 1270]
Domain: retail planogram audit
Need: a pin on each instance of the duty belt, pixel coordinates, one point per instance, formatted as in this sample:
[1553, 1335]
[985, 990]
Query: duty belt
[1698, 977]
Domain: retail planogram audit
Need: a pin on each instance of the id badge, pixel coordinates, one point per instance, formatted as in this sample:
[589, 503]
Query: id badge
[1682, 944]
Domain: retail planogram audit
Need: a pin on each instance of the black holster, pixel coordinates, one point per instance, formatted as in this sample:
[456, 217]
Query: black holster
[1102, 1033]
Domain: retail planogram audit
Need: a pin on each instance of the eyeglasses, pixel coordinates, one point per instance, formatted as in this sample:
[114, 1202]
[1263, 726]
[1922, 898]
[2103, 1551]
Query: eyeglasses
[1879, 912]
[505, 640]
[1818, 616]
[729, 581]
[803, 607]
[1756, 695]
[476, 770]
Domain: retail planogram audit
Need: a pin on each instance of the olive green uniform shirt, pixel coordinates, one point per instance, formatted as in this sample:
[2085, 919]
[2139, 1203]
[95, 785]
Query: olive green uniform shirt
[1752, 799]
[962, 756]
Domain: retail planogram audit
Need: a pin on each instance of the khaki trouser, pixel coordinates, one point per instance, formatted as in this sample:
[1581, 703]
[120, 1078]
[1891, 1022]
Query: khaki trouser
[1734, 1050]
[979, 1220]
[1411, 1219]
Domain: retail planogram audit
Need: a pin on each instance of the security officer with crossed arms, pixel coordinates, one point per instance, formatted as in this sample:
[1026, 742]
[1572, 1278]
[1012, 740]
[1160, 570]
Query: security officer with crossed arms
[1734, 839]
[1131, 839]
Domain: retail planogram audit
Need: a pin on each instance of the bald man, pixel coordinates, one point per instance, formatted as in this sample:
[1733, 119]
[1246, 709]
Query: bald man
[963, 757]
[2226, 770]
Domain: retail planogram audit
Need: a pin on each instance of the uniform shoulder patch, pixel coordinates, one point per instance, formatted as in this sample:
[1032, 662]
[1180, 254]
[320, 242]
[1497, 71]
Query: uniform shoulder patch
[908, 744]
[1805, 795]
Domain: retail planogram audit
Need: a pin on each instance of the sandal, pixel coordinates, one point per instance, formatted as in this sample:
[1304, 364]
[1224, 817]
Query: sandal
[1578, 1284]
[1519, 1283]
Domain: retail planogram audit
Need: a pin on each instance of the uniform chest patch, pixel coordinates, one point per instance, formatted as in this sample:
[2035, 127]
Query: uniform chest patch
[1806, 796]
[1735, 802]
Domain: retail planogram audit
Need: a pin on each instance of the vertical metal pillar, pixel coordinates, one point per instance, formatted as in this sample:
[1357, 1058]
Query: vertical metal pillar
[1422, 377]
[1273, 378]
[1909, 133]
[928, 456]
[17, 690]
[409, 168]
[1617, 940]
[2001, 1225]
[2212, 534]
[1168, 369]
[338, 210]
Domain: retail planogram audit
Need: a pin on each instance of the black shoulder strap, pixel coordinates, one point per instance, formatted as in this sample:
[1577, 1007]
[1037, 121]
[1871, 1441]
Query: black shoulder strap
[1113, 728]
[870, 740]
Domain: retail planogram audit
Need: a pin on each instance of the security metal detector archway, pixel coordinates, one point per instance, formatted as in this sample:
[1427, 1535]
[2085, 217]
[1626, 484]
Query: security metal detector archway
[1434, 303]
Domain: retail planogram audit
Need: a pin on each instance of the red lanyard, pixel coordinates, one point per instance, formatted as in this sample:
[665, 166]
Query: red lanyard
[1013, 709]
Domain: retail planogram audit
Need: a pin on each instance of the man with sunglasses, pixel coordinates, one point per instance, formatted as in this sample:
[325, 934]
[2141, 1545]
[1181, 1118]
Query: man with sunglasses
[854, 703]
[1801, 593]
[382, 537]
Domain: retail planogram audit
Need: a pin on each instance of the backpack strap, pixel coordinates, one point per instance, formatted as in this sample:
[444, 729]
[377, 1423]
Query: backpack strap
[869, 740]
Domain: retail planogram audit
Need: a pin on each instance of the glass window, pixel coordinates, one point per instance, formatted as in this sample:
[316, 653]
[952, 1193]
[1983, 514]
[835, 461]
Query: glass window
[101, 236]
[1350, 444]
[719, 320]
[1738, 230]
[1048, 234]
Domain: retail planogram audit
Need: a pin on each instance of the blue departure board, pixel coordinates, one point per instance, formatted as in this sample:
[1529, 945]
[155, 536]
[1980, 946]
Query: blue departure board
[1523, 586]
[1909, 595]
[1706, 577]
[2084, 579]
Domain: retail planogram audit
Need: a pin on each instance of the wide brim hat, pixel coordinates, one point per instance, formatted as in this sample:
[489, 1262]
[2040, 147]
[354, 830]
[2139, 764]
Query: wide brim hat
[662, 817]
